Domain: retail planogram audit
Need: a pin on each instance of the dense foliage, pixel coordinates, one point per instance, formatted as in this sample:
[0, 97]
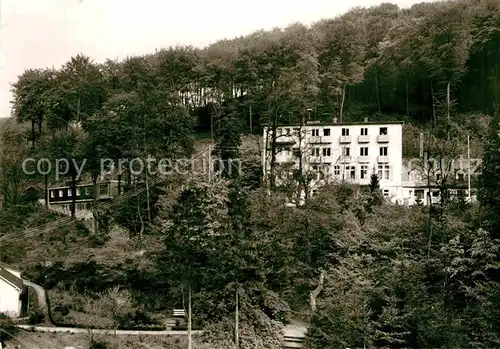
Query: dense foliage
[362, 273]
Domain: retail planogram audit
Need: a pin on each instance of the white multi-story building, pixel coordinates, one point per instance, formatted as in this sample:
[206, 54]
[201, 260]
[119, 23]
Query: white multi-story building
[348, 152]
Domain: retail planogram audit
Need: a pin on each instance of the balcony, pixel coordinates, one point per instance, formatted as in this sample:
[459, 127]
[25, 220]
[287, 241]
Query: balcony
[363, 139]
[382, 159]
[320, 139]
[345, 139]
[345, 159]
[383, 138]
[285, 139]
[363, 159]
[320, 159]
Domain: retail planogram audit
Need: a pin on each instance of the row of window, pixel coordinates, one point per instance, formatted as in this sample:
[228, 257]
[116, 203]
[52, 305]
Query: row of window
[327, 132]
[346, 151]
[79, 192]
[385, 192]
[60, 192]
[327, 151]
[351, 171]
[78, 207]
[415, 176]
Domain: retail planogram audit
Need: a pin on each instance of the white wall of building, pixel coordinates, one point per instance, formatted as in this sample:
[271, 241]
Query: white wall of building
[322, 146]
[9, 299]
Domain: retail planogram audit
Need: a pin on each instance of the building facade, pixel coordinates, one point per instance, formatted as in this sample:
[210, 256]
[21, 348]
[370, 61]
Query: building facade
[340, 152]
[61, 198]
[11, 291]
[424, 180]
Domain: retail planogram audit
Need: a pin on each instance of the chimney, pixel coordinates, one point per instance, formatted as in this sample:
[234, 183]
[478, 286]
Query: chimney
[366, 119]
[335, 120]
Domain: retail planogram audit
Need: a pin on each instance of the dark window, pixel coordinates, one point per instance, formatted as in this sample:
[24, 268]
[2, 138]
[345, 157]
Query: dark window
[326, 132]
[345, 132]
[364, 171]
[383, 131]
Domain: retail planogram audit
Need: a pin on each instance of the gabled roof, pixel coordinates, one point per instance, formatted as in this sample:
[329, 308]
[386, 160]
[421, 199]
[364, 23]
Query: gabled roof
[11, 278]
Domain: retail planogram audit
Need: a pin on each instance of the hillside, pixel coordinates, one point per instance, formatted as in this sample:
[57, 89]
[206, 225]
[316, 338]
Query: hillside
[357, 270]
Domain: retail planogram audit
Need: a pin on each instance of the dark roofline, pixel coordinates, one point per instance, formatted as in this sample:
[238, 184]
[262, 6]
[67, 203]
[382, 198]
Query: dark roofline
[109, 181]
[359, 123]
[6, 266]
[11, 278]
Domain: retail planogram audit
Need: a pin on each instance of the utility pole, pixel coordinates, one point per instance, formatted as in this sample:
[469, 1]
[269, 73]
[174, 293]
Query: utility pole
[147, 170]
[210, 163]
[190, 335]
[468, 167]
[236, 319]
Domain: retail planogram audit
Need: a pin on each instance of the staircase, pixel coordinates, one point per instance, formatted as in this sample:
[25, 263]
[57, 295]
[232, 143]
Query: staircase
[294, 336]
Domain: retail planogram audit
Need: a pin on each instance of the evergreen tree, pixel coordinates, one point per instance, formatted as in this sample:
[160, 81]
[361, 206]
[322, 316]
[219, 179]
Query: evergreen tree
[374, 195]
[489, 190]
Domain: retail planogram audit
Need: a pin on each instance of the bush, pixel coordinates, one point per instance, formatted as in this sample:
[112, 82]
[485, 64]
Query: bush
[36, 317]
[7, 328]
[98, 345]
[61, 310]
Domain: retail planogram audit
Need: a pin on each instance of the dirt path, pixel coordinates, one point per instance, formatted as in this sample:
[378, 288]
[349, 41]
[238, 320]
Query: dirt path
[118, 332]
[40, 294]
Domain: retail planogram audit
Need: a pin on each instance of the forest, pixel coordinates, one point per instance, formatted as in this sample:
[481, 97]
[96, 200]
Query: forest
[361, 273]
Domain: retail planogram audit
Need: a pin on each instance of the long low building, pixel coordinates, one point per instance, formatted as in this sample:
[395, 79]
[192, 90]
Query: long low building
[61, 198]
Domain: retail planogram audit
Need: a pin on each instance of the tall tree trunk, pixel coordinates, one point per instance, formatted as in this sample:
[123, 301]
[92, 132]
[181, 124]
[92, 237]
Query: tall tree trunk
[434, 118]
[189, 329]
[212, 124]
[236, 318]
[129, 177]
[147, 196]
[485, 79]
[377, 91]
[73, 194]
[448, 101]
[95, 196]
[119, 177]
[448, 107]
[78, 109]
[407, 97]
[496, 78]
[313, 295]
[272, 180]
[40, 122]
[341, 114]
[33, 134]
[140, 218]
[46, 189]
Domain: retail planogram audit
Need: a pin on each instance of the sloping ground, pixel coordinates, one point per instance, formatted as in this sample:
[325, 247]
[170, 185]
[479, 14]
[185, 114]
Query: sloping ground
[117, 249]
[31, 340]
